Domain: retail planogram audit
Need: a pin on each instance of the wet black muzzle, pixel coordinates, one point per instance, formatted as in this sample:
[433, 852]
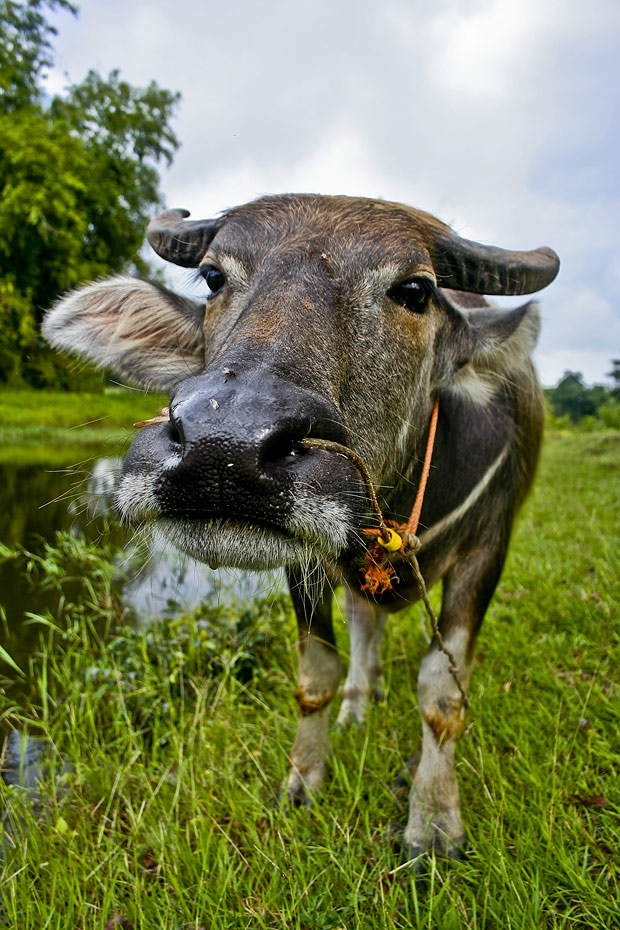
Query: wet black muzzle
[231, 447]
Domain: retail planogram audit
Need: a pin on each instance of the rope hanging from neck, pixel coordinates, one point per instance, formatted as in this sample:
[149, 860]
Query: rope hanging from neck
[402, 537]
[414, 520]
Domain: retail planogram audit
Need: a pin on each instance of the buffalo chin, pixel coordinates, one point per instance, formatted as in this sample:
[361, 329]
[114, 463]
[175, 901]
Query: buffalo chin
[225, 543]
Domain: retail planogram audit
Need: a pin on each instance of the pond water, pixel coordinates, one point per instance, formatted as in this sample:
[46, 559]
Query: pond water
[36, 501]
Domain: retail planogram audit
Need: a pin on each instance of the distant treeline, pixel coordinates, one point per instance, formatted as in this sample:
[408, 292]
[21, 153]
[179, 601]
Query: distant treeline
[78, 182]
[573, 402]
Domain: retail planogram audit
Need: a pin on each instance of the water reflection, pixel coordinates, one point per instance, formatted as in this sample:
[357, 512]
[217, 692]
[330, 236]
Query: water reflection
[34, 502]
[98, 497]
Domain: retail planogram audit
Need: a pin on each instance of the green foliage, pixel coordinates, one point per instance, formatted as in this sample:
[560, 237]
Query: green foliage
[572, 402]
[23, 411]
[78, 179]
[130, 663]
[572, 397]
[25, 50]
[614, 374]
[69, 559]
[213, 644]
[609, 413]
[124, 132]
[17, 326]
[44, 176]
[120, 119]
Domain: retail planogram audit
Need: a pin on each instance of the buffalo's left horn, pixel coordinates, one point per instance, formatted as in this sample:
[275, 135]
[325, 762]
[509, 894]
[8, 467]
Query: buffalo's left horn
[464, 265]
[179, 240]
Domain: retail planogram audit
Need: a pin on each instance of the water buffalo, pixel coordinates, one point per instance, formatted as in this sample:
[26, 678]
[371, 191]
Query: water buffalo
[339, 320]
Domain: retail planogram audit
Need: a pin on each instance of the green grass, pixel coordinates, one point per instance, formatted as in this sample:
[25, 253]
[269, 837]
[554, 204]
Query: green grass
[48, 427]
[177, 738]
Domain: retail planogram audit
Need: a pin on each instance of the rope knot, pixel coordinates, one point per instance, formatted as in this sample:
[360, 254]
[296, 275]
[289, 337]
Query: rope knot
[411, 545]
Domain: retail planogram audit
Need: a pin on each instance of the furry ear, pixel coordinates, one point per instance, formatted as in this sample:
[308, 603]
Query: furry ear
[504, 339]
[142, 331]
[500, 346]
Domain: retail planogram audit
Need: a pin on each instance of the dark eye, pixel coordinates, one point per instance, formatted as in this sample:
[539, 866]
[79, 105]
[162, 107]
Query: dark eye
[214, 278]
[413, 294]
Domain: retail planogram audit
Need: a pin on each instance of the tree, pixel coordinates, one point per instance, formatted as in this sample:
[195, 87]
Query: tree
[571, 396]
[614, 374]
[78, 180]
[42, 181]
[25, 50]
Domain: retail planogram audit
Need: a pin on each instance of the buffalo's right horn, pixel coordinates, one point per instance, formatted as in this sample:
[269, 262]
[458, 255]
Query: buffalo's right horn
[485, 269]
[179, 240]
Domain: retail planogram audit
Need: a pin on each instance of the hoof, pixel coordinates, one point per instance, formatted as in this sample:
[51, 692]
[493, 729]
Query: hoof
[352, 713]
[417, 858]
[444, 847]
[294, 797]
[456, 849]
[349, 723]
[419, 861]
[378, 693]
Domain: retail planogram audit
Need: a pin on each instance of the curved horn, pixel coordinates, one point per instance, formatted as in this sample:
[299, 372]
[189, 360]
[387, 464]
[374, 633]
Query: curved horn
[464, 265]
[179, 240]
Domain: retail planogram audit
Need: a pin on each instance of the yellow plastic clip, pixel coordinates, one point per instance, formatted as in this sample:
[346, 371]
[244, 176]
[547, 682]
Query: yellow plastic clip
[394, 542]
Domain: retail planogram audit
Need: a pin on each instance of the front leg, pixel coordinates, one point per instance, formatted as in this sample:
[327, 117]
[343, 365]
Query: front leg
[434, 801]
[319, 676]
[366, 622]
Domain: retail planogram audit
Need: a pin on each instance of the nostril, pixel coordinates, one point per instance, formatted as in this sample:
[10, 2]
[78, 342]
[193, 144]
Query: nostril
[175, 432]
[293, 453]
[281, 448]
[283, 445]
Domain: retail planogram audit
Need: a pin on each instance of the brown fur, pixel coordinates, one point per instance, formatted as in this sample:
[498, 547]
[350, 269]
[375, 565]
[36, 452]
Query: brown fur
[310, 703]
[445, 725]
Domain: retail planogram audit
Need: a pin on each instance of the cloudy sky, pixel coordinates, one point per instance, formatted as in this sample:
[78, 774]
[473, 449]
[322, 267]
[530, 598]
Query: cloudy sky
[501, 117]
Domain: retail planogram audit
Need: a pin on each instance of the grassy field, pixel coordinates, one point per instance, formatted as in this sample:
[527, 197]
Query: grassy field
[176, 739]
[48, 427]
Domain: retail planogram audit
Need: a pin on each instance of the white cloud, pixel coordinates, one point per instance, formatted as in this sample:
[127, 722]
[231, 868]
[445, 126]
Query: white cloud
[580, 332]
[551, 365]
[586, 320]
[340, 163]
[478, 50]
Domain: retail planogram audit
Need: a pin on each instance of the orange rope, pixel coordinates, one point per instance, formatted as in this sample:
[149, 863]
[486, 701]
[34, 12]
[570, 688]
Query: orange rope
[379, 570]
[407, 532]
[414, 519]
